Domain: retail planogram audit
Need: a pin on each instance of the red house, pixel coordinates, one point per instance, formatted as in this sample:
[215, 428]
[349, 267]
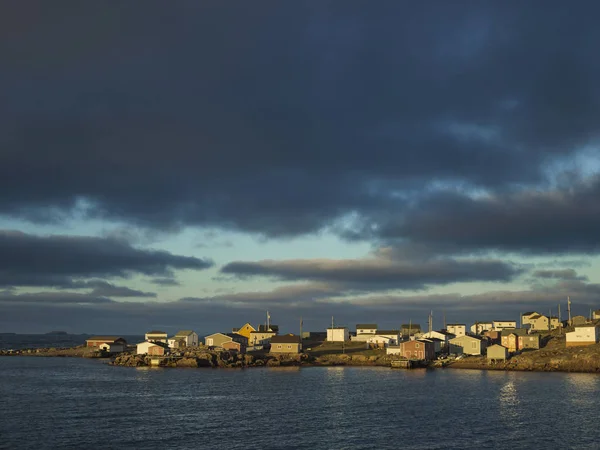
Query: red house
[420, 349]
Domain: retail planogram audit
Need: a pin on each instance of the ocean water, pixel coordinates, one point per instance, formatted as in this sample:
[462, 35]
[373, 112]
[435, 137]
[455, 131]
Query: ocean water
[72, 403]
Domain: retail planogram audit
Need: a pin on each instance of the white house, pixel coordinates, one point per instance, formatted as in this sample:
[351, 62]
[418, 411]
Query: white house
[457, 329]
[381, 340]
[156, 336]
[584, 335]
[526, 317]
[481, 327]
[150, 348]
[500, 325]
[338, 334]
[364, 331]
[443, 336]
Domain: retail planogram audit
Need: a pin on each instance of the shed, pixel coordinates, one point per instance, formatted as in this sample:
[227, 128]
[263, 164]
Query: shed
[497, 353]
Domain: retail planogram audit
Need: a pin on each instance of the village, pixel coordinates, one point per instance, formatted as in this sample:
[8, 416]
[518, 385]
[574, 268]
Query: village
[496, 340]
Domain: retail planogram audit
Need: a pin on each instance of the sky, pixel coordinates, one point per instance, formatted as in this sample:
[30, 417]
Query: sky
[195, 165]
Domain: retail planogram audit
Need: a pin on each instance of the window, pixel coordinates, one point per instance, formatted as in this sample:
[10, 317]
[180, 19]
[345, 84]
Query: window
[473, 344]
[417, 345]
[289, 346]
[279, 346]
[209, 342]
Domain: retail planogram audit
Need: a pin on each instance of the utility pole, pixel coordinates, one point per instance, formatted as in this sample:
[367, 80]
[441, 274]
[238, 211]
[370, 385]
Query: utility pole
[550, 320]
[430, 322]
[300, 328]
[570, 322]
[445, 320]
[559, 321]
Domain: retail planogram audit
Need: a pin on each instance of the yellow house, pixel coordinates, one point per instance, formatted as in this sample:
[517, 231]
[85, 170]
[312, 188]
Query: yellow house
[245, 330]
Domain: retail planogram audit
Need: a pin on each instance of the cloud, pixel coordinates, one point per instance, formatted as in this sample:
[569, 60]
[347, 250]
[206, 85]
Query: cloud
[560, 274]
[61, 261]
[379, 271]
[329, 110]
[104, 289]
[53, 298]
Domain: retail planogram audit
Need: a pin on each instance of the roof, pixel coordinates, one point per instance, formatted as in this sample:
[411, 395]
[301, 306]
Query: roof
[456, 325]
[156, 332]
[104, 338]
[466, 336]
[184, 333]
[337, 328]
[285, 339]
[504, 320]
[497, 345]
[155, 344]
[536, 316]
[366, 325]
[528, 313]
[388, 332]
[517, 331]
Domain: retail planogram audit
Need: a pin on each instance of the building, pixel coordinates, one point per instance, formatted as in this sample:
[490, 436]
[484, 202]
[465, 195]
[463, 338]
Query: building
[288, 343]
[493, 337]
[392, 335]
[366, 328]
[152, 348]
[260, 338]
[529, 341]
[410, 329]
[338, 334]
[500, 325]
[509, 338]
[539, 322]
[245, 330]
[381, 341]
[443, 336]
[526, 317]
[114, 341]
[497, 353]
[233, 346]
[596, 314]
[578, 320]
[219, 339]
[188, 337]
[419, 349]
[583, 335]
[156, 336]
[481, 327]
[467, 345]
[112, 347]
[457, 329]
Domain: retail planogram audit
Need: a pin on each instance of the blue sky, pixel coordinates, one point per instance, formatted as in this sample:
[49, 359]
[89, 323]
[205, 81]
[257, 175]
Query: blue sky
[370, 163]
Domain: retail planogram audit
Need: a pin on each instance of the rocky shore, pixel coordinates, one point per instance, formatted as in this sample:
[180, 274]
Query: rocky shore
[203, 357]
[77, 352]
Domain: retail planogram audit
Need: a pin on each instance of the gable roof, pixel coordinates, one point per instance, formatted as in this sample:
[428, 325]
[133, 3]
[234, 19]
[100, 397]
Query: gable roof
[529, 313]
[456, 325]
[388, 332]
[516, 331]
[184, 333]
[157, 332]
[215, 334]
[286, 339]
[366, 325]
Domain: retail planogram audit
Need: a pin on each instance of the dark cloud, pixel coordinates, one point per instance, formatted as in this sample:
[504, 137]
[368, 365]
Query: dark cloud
[307, 113]
[379, 271]
[165, 281]
[104, 289]
[562, 220]
[560, 274]
[61, 261]
[53, 298]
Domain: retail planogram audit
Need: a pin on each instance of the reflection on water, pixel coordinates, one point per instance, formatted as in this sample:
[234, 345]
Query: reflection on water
[76, 403]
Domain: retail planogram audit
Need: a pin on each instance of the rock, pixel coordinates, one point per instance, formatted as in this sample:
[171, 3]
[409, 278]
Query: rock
[187, 362]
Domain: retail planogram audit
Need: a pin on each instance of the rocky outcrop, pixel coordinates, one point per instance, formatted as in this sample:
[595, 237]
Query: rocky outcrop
[129, 360]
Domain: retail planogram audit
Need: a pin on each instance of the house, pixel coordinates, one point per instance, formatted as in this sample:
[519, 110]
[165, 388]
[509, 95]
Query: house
[338, 334]
[366, 328]
[492, 336]
[596, 314]
[392, 335]
[457, 329]
[381, 341]
[152, 348]
[189, 338]
[245, 330]
[112, 347]
[578, 320]
[443, 336]
[410, 329]
[438, 344]
[420, 349]
[509, 338]
[497, 353]
[219, 339]
[500, 325]
[583, 335]
[115, 341]
[467, 345]
[364, 331]
[481, 327]
[176, 342]
[531, 341]
[260, 338]
[526, 317]
[156, 336]
[288, 343]
[539, 322]
[234, 346]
